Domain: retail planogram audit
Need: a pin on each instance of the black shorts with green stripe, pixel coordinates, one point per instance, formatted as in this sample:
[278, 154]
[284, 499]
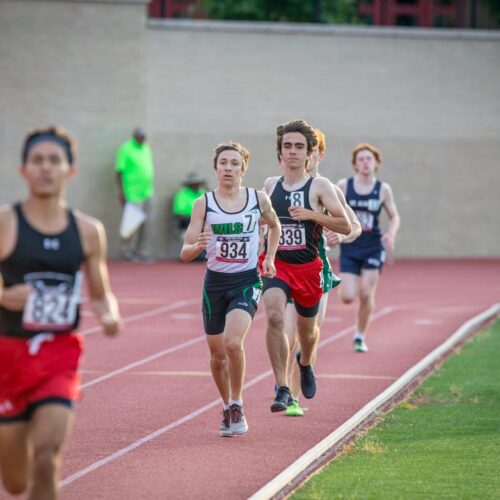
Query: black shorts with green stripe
[223, 292]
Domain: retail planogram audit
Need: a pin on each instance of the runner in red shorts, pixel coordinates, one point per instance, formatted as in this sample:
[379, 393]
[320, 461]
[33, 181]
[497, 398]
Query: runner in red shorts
[300, 202]
[43, 245]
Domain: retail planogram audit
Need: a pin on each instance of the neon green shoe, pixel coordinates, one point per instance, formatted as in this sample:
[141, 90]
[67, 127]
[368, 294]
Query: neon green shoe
[294, 410]
[359, 345]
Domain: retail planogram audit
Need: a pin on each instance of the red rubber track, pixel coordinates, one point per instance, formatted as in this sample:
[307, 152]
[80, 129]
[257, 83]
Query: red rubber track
[419, 305]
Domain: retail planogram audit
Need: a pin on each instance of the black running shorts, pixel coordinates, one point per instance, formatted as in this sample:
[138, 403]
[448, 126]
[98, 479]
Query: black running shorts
[223, 292]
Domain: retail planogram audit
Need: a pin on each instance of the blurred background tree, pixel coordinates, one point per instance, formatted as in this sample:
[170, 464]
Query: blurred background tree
[294, 11]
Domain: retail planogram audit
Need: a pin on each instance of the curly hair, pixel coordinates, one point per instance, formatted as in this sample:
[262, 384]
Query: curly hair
[233, 146]
[300, 126]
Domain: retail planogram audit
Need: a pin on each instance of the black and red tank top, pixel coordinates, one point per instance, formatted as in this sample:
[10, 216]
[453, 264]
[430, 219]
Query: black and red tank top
[50, 263]
[299, 239]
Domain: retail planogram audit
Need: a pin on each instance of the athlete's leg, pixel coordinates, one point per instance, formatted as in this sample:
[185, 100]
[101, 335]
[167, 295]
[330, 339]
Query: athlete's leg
[308, 337]
[293, 342]
[238, 323]
[368, 284]
[219, 365]
[323, 304]
[49, 426]
[277, 341]
[294, 367]
[14, 456]
[349, 288]
[291, 326]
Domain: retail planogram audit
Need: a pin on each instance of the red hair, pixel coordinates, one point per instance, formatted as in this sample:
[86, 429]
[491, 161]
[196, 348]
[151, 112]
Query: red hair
[367, 147]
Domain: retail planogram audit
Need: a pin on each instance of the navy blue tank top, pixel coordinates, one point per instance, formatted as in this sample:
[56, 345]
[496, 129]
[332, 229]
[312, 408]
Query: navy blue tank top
[367, 208]
[299, 239]
[50, 263]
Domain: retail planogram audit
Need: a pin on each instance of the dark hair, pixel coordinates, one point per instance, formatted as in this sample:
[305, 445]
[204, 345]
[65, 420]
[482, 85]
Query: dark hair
[234, 146]
[52, 133]
[300, 126]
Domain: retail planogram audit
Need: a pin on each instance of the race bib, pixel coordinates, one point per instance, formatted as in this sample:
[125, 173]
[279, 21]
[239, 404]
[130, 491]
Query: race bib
[293, 237]
[233, 250]
[53, 302]
[366, 220]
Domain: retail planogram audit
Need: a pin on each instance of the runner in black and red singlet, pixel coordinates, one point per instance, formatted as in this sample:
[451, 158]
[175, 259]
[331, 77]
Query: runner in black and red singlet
[43, 245]
[300, 202]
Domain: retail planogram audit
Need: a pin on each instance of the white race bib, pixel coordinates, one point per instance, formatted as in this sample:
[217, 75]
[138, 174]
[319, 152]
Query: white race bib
[233, 249]
[293, 237]
[53, 303]
[366, 220]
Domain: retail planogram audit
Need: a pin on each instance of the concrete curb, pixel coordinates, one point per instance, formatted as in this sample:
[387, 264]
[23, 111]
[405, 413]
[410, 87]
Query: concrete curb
[284, 478]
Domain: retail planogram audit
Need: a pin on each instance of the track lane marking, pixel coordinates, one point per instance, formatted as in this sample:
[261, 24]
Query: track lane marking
[153, 435]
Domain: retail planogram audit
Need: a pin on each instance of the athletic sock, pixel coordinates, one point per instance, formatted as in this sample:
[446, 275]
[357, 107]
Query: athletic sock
[238, 402]
[225, 406]
[359, 336]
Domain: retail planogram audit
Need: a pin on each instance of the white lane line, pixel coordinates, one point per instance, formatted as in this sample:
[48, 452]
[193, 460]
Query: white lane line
[426, 322]
[283, 479]
[355, 377]
[123, 451]
[143, 361]
[159, 373]
[146, 314]
[185, 316]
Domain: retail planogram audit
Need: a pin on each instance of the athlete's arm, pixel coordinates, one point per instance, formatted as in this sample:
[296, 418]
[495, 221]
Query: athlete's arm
[342, 184]
[13, 298]
[102, 299]
[334, 239]
[197, 237]
[273, 234]
[336, 219]
[389, 204]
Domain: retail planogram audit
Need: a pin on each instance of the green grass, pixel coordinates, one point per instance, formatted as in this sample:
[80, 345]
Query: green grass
[442, 442]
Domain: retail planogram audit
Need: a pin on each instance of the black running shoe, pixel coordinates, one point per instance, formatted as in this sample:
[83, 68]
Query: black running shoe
[307, 379]
[282, 400]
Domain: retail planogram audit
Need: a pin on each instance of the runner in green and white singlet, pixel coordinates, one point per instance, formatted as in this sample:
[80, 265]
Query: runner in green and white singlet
[225, 222]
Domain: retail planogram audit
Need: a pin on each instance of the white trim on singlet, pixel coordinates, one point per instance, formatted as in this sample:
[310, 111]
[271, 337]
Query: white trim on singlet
[235, 242]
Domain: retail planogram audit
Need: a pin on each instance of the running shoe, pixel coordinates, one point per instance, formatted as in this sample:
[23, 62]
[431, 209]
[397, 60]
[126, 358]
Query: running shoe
[294, 410]
[359, 345]
[282, 400]
[225, 425]
[238, 421]
[307, 379]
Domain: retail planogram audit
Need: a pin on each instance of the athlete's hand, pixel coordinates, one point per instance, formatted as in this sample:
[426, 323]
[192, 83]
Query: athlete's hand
[388, 242]
[300, 213]
[15, 297]
[332, 239]
[112, 324]
[204, 239]
[268, 269]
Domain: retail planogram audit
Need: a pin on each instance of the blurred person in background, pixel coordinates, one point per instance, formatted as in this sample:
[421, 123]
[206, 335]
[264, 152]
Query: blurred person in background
[361, 261]
[135, 177]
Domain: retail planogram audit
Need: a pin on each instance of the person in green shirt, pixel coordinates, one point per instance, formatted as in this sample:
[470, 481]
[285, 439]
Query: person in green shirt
[194, 187]
[135, 176]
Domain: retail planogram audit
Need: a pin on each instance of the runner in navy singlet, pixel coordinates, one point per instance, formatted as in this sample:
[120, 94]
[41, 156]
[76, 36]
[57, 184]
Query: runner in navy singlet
[225, 222]
[43, 246]
[300, 202]
[361, 261]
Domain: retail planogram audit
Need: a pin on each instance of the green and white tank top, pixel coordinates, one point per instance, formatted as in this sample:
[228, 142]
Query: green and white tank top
[235, 242]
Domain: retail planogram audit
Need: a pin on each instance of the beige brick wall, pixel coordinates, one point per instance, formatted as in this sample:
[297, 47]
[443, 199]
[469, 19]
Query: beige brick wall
[429, 100]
